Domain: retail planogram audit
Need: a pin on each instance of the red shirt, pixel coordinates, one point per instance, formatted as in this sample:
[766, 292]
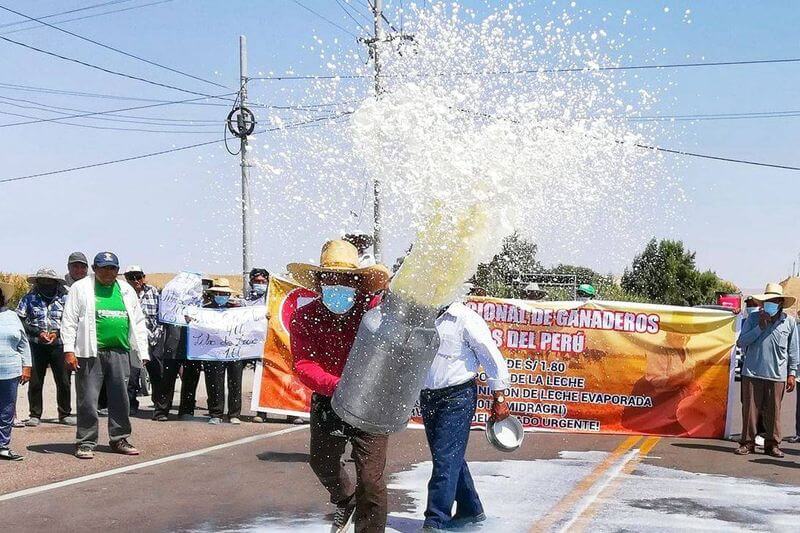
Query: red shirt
[321, 341]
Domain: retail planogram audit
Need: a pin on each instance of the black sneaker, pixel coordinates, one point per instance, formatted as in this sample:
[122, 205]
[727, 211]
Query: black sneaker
[10, 455]
[343, 513]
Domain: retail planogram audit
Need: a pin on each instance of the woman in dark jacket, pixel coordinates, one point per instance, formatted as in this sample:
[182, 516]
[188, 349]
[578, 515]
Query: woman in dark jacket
[171, 352]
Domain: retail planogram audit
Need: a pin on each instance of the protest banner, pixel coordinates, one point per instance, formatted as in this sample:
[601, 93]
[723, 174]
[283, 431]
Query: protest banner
[594, 367]
[182, 291]
[230, 334]
[276, 389]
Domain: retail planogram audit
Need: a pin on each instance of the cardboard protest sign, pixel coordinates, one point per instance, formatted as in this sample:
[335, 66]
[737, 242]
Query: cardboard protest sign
[183, 291]
[226, 334]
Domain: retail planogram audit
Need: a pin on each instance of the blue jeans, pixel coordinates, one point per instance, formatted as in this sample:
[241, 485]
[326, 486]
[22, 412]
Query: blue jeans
[447, 414]
[8, 404]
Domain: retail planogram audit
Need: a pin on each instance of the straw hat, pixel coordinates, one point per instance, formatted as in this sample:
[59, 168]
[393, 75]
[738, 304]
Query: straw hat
[534, 291]
[221, 285]
[7, 290]
[339, 256]
[774, 291]
[46, 273]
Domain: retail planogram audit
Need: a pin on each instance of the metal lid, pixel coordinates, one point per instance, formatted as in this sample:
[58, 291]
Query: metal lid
[506, 435]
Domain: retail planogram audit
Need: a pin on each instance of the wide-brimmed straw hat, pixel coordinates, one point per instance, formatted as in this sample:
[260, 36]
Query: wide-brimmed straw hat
[339, 256]
[46, 273]
[221, 285]
[774, 291]
[7, 289]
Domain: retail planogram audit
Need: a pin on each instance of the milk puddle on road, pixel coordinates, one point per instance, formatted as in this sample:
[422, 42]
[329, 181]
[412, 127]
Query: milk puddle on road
[516, 494]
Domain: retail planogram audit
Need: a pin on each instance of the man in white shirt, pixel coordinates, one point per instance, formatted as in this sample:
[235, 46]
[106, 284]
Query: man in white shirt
[448, 403]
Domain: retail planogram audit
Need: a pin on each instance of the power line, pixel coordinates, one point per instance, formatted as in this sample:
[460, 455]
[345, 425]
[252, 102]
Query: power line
[349, 14]
[329, 21]
[653, 148]
[80, 94]
[307, 123]
[89, 16]
[94, 127]
[537, 71]
[51, 15]
[103, 69]
[107, 47]
[715, 116]
[153, 121]
[94, 113]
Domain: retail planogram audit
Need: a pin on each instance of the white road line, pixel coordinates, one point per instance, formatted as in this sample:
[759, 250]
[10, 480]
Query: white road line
[597, 489]
[137, 466]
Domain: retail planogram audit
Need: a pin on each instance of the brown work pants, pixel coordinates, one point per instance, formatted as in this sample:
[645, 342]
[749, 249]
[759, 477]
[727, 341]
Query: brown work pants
[369, 455]
[761, 397]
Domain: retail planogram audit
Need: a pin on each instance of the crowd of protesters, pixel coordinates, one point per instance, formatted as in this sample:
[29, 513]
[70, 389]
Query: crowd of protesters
[106, 331]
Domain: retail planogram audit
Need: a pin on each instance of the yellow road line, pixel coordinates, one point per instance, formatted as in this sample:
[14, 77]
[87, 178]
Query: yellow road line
[585, 518]
[558, 512]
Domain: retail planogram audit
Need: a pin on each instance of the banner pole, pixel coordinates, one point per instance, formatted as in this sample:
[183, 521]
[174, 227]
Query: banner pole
[731, 385]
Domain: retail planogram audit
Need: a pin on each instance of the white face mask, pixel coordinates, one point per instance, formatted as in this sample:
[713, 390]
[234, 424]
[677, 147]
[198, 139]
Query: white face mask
[260, 288]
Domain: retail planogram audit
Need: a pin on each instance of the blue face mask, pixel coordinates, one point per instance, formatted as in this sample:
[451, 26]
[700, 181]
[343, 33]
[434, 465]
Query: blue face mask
[221, 299]
[338, 298]
[771, 308]
[750, 310]
[260, 288]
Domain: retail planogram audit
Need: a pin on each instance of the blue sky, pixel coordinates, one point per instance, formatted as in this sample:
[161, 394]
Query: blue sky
[178, 211]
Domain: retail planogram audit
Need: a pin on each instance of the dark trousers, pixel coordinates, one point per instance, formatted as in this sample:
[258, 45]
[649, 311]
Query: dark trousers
[215, 372]
[761, 397]
[49, 355]
[164, 388]
[329, 436]
[447, 414]
[112, 369]
[8, 404]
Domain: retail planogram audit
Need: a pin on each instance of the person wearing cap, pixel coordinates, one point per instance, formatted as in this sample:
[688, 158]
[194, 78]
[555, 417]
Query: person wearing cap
[586, 292]
[771, 348]
[15, 368]
[41, 311]
[259, 282]
[216, 371]
[77, 268]
[448, 401]
[148, 299]
[322, 333]
[105, 333]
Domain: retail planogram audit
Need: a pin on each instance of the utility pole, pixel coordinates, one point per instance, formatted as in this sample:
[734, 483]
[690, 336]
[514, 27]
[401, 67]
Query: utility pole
[375, 42]
[243, 128]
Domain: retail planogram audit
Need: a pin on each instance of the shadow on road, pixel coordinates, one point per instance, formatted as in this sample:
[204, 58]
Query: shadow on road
[709, 447]
[283, 457]
[776, 462]
[66, 448]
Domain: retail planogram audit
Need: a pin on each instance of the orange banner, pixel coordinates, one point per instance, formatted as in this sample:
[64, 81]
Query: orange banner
[597, 367]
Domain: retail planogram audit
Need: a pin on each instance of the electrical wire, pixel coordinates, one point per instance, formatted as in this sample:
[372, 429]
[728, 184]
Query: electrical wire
[540, 70]
[94, 127]
[94, 113]
[132, 119]
[153, 154]
[715, 116]
[51, 15]
[113, 49]
[89, 16]
[656, 148]
[357, 23]
[329, 21]
[103, 69]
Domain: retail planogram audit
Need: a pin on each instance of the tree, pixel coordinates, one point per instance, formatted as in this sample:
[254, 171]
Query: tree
[517, 257]
[666, 273]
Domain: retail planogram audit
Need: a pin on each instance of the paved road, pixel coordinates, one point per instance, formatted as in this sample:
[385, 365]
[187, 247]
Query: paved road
[260, 481]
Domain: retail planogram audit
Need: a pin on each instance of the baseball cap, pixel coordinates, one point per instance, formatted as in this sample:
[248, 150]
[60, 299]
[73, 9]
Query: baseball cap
[133, 269]
[77, 257]
[104, 259]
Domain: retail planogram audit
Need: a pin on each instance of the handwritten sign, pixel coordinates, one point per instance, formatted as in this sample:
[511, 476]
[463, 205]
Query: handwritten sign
[226, 334]
[183, 291]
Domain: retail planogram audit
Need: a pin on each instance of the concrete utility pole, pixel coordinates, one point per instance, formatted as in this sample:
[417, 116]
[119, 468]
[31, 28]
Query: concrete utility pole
[246, 263]
[377, 13]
